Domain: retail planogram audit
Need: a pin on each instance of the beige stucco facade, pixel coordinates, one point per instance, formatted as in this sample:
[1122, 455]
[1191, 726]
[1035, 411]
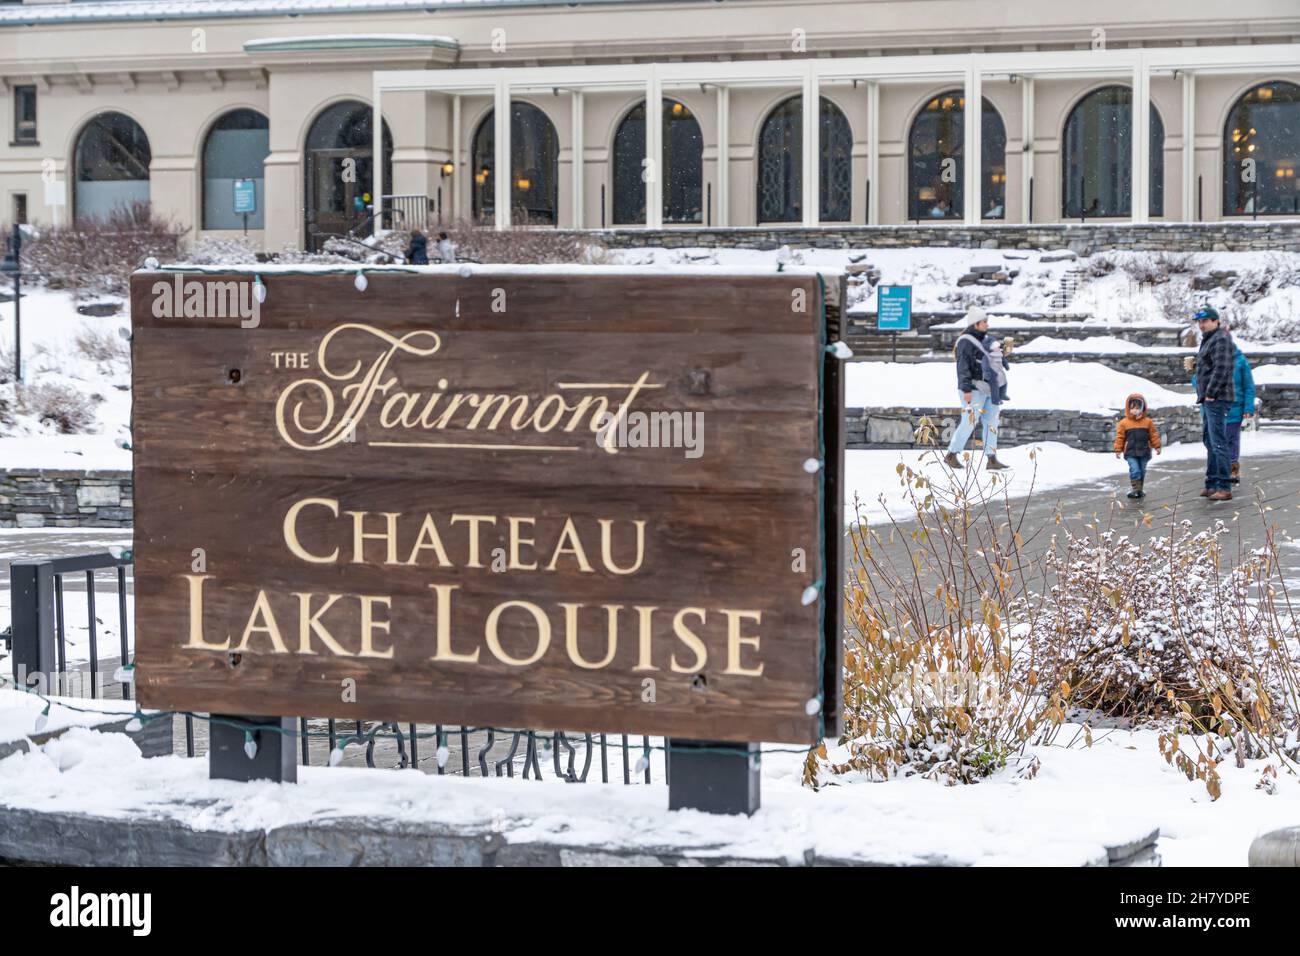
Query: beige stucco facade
[176, 76]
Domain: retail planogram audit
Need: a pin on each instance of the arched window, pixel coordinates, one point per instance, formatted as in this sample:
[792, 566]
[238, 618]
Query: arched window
[236, 147]
[780, 164]
[339, 171]
[683, 166]
[937, 154]
[112, 167]
[534, 167]
[1261, 152]
[1097, 165]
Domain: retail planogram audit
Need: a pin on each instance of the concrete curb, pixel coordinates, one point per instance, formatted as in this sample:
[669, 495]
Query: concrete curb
[78, 839]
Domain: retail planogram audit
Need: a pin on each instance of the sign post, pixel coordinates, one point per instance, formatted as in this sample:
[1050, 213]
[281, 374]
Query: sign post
[245, 199]
[894, 311]
[392, 498]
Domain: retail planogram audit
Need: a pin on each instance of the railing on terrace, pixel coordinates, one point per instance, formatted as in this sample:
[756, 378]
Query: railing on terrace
[45, 657]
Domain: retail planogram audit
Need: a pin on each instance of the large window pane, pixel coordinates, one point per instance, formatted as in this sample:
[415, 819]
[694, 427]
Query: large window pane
[780, 164]
[937, 154]
[1097, 167]
[112, 167]
[1261, 153]
[534, 167]
[683, 179]
[236, 149]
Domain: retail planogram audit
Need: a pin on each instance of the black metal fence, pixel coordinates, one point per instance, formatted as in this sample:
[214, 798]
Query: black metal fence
[38, 639]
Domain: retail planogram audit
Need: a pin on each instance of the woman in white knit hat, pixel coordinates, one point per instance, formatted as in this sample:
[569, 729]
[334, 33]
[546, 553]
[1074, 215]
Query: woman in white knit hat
[978, 404]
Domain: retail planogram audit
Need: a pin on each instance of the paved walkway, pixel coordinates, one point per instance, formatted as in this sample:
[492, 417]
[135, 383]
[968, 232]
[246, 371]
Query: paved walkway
[1269, 482]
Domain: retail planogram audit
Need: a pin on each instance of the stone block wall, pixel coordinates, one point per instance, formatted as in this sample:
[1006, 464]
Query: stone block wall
[1082, 238]
[896, 427]
[1279, 402]
[46, 498]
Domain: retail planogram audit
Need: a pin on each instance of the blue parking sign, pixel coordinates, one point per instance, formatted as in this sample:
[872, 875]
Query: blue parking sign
[894, 308]
[245, 196]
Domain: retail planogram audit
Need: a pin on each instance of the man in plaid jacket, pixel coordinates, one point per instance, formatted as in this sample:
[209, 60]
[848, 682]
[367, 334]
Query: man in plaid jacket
[1215, 362]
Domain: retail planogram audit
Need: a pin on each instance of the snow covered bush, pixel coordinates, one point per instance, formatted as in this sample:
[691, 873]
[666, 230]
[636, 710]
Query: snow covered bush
[211, 251]
[57, 407]
[1167, 630]
[935, 681]
[97, 256]
[521, 245]
[103, 347]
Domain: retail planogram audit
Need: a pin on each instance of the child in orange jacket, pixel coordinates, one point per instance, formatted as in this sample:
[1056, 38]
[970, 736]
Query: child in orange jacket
[1136, 437]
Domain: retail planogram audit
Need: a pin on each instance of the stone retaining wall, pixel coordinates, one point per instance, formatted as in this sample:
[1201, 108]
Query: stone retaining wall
[45, 498]
[1279, 402]
[1084, 239]
[1161, 368]
[897, 427]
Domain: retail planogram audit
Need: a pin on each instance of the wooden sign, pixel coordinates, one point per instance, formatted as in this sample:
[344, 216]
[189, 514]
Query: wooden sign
[551, 498]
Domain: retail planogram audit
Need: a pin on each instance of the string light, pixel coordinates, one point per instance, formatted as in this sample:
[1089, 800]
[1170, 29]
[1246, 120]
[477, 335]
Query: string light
[336, 755]
[250, 745]
[125, 674]
[43, 718]
[259, 289]
[442, 755]
[812, 707]
[809, 594]
[151, 264]
[121, 554]
[812, 465]
[360, 282]
[840, 350]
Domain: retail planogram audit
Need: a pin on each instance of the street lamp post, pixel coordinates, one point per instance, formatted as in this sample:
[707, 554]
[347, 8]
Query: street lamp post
[13, 264]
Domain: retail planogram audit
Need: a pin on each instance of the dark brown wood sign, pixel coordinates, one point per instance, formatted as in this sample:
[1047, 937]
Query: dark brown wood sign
[576, 499]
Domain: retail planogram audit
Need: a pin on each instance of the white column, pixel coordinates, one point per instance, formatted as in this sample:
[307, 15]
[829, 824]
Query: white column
[654, 154]
[1026, 147]
[973, 125]
[1189, 146]
[377, 158]
[873, 152]
[812, 129]
[1141, 140]
[502, 179]
[579, 148]
[456, 178]
[723, 180]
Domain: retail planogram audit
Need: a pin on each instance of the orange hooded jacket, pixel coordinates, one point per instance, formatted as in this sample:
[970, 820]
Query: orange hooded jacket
[1142, 445]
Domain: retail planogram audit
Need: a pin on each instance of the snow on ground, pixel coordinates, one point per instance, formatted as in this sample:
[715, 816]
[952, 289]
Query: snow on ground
[1276, 374]
[1050, 466]
[50, 328]
[19, 711]
[1073, 386]
[1066, 815]
[1111, 345]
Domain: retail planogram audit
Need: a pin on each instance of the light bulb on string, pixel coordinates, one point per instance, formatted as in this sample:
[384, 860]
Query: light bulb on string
[443, 754]
[361, 282]
[840, 350]
[809, 595]
[43, 718]
[259, 289]
[812, 465]
[812, 707]
[250, 745]
[336, 755]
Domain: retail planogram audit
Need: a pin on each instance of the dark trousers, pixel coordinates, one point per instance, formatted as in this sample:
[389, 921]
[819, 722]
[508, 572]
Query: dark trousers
[1217, 463]
[1234, 442]
[1137, 467]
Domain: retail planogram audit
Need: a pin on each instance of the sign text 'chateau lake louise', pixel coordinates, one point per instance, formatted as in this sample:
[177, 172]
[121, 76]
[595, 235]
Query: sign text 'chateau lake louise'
[547, 498]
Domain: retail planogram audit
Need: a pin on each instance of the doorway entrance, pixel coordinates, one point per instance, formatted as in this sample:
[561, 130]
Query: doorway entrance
[339, 168]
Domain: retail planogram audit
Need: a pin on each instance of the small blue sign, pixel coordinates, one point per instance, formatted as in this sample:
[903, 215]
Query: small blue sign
[894, 309]
[245, 196]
